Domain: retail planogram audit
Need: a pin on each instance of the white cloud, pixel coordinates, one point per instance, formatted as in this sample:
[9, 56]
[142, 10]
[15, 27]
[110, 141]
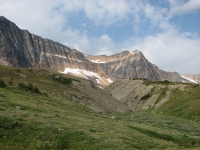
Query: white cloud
[158, 16]
[104, 12]
[184, 8]
[32, 15]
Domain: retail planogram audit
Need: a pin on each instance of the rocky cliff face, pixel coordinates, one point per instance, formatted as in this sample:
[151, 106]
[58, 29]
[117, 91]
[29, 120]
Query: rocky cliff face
[20, 48]
[170, 76]
[126, 65]
[23, 49]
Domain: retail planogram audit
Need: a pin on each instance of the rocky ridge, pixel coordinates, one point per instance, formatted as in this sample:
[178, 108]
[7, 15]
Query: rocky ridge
[19, 48]
[126, 65]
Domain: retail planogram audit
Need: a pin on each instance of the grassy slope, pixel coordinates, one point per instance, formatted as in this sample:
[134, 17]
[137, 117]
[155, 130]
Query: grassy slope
[81, 90]
[37, 121]
[169, 98]
[185, 104]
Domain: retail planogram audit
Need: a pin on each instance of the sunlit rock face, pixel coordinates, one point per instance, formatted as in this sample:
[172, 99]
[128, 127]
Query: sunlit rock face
[126, 65]
[19, 48]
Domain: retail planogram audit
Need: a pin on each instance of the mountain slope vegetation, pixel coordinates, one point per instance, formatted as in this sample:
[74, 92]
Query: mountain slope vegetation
[169, 98]
[41, 109]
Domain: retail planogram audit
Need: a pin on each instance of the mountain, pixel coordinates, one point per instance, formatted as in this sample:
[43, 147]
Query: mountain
[19, 48]
[126, 65]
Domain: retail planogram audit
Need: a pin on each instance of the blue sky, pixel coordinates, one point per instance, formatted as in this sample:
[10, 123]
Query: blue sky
[166, 31]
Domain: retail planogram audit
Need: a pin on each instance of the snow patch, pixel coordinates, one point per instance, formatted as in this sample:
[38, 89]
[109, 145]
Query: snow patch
[109, 80]
[100, 86]
[97, 80]
[87, 75]
[191, 80]
[54, 55]
[77, 60]
[80, 72]
[97, 61]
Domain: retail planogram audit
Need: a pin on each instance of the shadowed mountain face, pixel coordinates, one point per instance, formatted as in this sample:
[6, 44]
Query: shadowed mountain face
[22, 49]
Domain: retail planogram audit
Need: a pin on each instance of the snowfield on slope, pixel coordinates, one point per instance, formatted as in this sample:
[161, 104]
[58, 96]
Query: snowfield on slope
[85, 74]
[189, 79]
[97, 61]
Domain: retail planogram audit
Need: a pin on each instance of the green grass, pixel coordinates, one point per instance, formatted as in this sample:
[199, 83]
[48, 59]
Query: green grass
[53, 121]
[184, 103]
[162, 94]
[181, 140]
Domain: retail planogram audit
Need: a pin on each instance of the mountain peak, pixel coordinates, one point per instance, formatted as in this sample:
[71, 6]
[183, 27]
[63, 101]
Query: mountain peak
[137, 54]
[2, 17]
[125, 52]
[5, 20]
[136, 51]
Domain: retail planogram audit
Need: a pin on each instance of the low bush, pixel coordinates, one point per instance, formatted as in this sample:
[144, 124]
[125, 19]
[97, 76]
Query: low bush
[10, 82]
[18, 70]
[8, 122]
[28, 88]
[2, 83]
[165, 82]
[145, 97]
[62, 80]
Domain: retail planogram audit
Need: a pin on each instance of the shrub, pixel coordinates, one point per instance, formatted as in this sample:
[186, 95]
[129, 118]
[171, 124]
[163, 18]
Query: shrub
[28, 88]
[2, 83]
[92, 130]
[18, 70]
[10, 82]
[145, 97]
[195, 85]
[9, 122]
[62, 80]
